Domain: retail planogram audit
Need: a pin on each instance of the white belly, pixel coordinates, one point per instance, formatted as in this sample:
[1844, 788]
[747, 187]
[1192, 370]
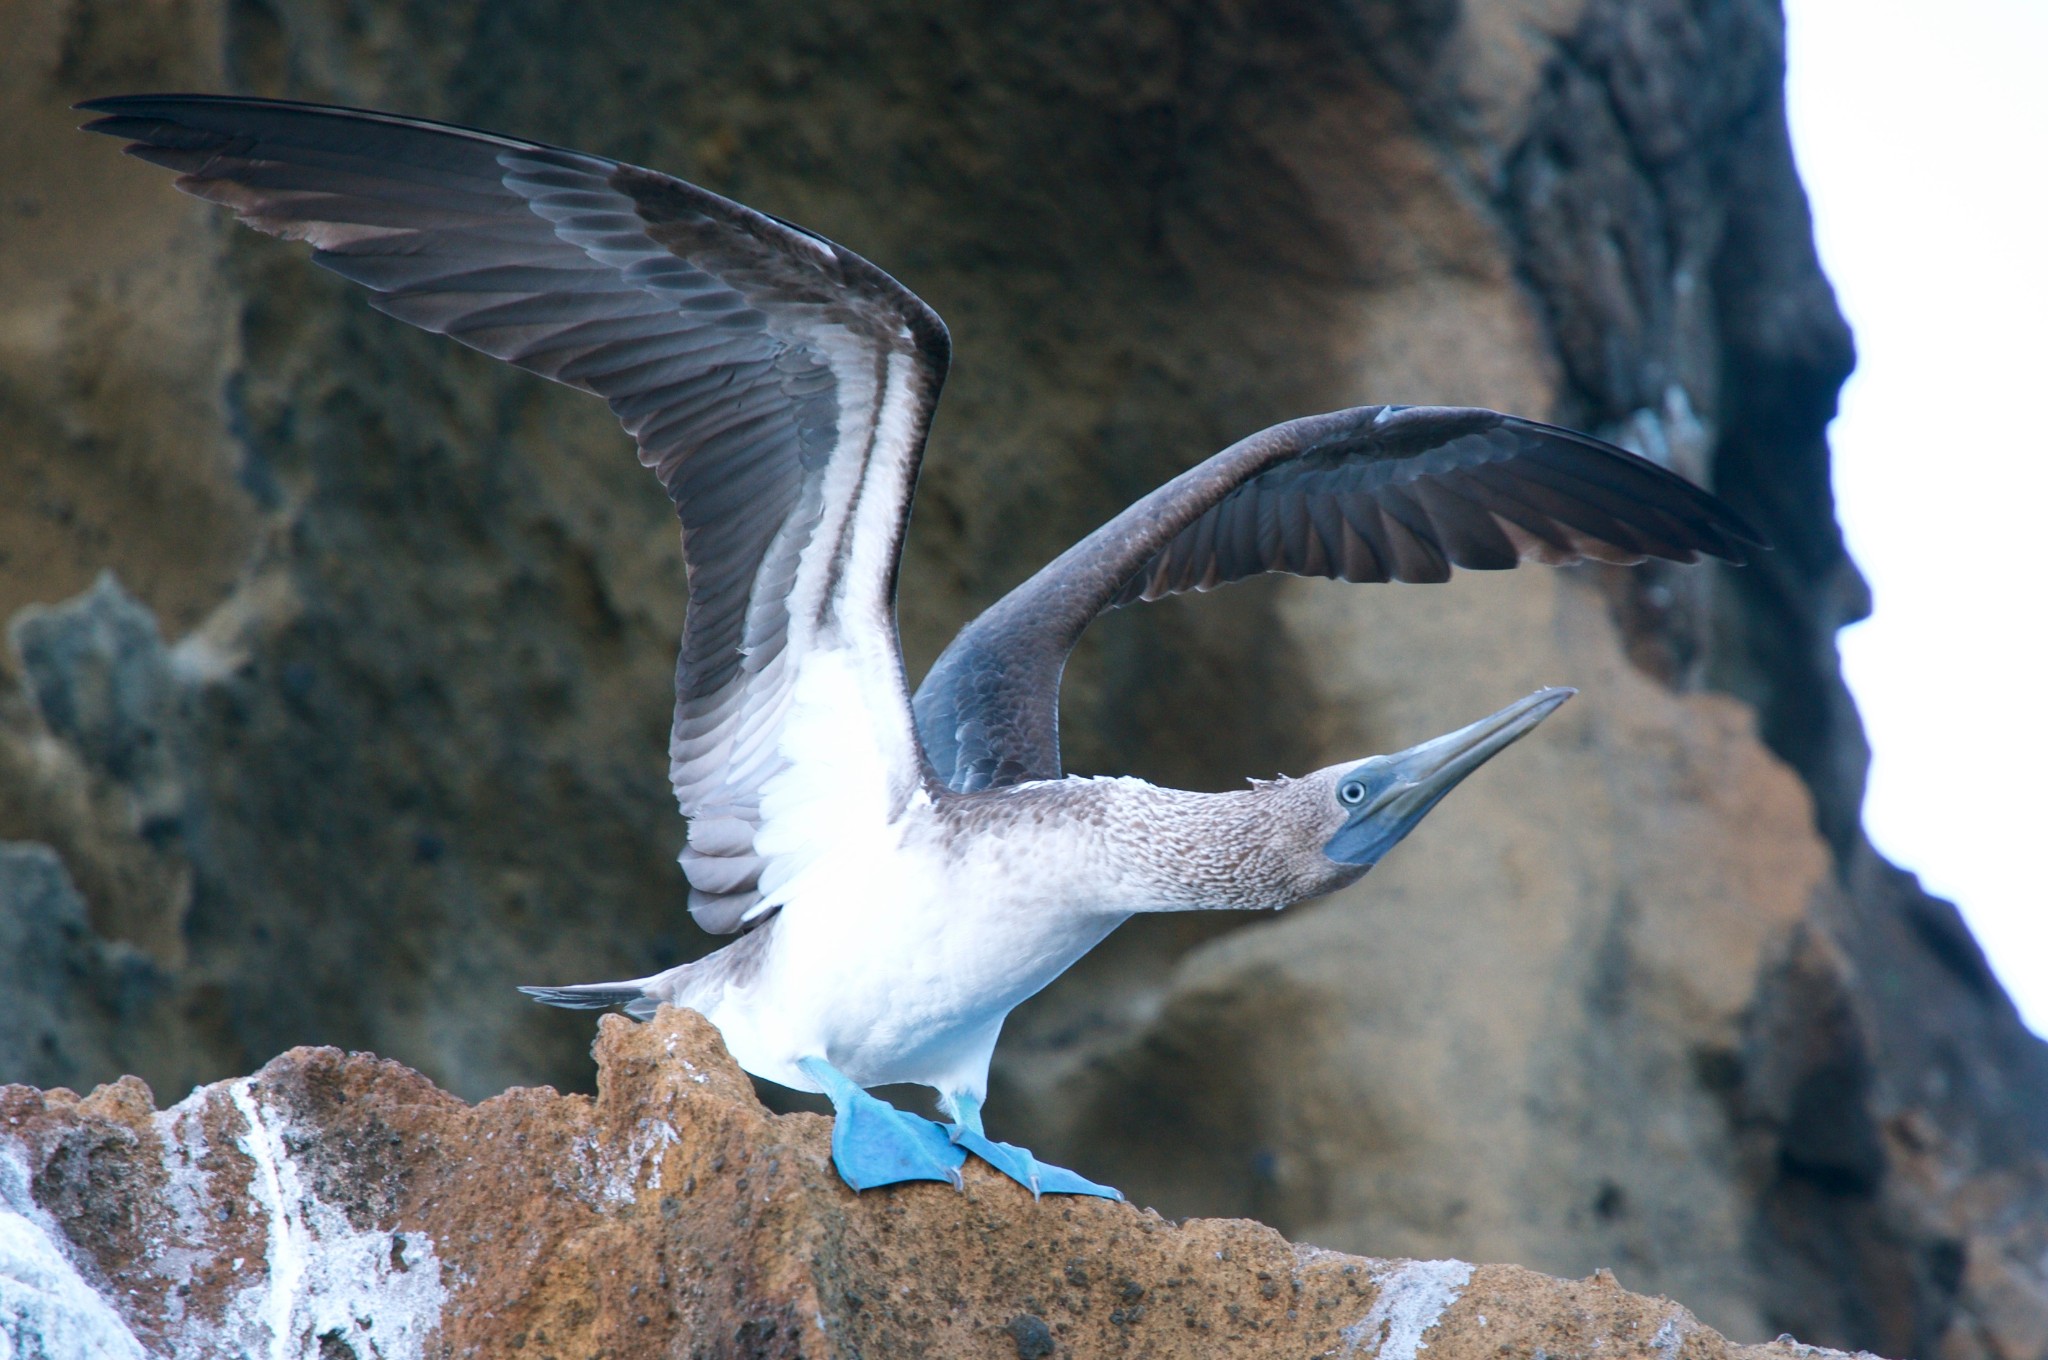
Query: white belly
[895, 966]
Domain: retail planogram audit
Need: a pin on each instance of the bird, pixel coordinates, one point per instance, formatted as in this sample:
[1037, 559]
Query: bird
[898, 870]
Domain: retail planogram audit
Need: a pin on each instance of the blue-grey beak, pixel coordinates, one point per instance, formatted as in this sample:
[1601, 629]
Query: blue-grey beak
[1387, 795]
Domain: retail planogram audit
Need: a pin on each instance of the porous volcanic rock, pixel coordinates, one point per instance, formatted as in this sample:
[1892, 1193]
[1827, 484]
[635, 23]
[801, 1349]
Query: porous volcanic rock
[338, 1205]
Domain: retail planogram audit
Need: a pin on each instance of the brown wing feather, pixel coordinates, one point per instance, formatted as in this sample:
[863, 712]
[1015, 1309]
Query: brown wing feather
[1371, 494]
[745, 356]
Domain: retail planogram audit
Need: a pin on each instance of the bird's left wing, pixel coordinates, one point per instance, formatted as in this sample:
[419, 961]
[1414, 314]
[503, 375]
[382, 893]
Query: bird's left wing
[779, 386]
[1375, 493]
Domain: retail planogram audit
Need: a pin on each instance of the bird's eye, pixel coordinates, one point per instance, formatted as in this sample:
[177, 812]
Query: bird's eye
[1352, 793]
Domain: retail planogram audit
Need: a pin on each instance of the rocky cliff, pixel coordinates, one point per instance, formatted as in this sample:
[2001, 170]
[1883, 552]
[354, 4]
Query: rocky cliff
[337, 1206]
[336, 688]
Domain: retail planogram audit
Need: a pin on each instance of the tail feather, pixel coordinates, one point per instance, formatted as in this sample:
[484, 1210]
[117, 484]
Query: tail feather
[597, 996]
[687, 984]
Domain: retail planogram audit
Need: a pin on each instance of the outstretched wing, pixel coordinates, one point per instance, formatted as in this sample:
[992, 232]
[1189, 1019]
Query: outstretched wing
[779, 386]
[1378, 493]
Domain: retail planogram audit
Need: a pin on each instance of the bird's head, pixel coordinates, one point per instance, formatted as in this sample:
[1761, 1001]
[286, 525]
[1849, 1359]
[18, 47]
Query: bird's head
[1380, 800]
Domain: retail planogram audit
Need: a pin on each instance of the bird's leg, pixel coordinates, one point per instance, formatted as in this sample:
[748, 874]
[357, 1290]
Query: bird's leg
[874, 1143]
[1013, 1161]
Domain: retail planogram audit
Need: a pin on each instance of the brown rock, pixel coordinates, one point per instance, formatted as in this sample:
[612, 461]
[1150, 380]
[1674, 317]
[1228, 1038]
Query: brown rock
[340, 1205]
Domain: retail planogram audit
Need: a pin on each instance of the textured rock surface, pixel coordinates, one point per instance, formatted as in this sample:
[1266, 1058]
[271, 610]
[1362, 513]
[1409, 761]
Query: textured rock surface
[338, 1205]
[367, 725]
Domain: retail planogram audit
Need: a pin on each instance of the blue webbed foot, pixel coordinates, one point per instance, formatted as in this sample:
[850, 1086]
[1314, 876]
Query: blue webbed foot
[1040, 1178]
[1018, 1164]
[874, 1143]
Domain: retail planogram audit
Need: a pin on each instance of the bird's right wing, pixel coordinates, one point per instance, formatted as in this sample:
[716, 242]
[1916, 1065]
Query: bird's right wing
[778, 385]
[1376, 493]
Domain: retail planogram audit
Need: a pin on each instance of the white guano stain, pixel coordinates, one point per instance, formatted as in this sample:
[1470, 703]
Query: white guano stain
[47, 1310]
[1670, 1337]
[599, 1176]
[179, 1245]
[181, 1132]
[1412, 1297]
[379, 1293]
[650, 1136]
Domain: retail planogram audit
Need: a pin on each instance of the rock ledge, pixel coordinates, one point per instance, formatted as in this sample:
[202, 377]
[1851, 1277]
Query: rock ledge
[339, 1205]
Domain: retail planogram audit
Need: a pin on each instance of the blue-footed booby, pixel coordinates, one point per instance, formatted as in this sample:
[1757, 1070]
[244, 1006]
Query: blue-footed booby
[901, 872]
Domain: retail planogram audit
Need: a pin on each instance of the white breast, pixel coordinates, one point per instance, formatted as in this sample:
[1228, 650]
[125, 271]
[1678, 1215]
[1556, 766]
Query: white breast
[896, 956]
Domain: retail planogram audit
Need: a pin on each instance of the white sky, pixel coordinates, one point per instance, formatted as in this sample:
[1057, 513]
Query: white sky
[1922, 135]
